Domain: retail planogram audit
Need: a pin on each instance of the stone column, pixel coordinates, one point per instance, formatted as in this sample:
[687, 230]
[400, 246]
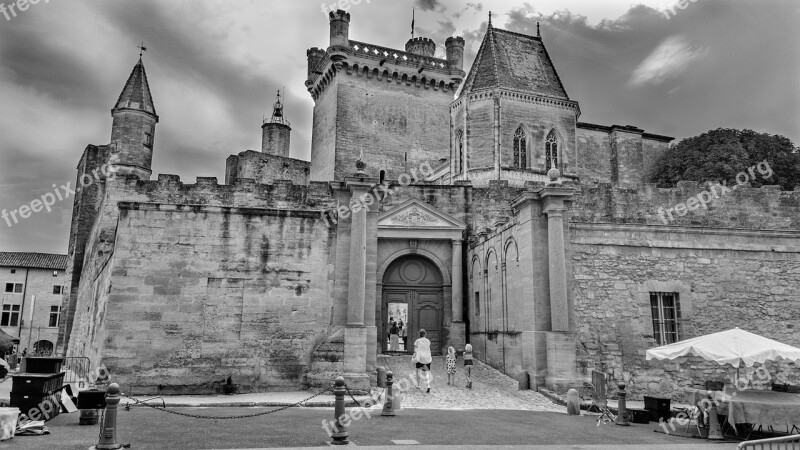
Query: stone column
[457, 272]
[355, 333]
[559, 307]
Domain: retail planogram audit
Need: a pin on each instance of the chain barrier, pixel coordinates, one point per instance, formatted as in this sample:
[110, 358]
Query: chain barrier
[351, 396]
[244, 416]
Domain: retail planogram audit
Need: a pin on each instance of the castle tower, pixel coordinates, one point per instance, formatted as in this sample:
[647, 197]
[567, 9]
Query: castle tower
[134, 127]
[391, 104]
[421, 46]
[276, 132]
[513, 113]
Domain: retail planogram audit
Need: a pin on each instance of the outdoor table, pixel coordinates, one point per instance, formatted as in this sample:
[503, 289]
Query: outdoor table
[766, 408]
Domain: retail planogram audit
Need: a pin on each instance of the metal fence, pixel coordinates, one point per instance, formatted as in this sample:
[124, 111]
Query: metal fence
[780, 443]
[77, 368]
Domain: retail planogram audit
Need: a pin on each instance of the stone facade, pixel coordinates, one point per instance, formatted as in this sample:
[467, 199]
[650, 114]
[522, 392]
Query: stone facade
[531, 237]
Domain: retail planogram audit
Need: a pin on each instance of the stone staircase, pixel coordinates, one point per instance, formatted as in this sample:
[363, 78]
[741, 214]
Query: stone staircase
[327, 361]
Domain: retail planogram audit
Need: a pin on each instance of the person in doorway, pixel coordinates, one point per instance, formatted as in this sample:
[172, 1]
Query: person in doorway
[394, 337]
[468, 364]
[422, 348]
[451, 366]
[404, 336]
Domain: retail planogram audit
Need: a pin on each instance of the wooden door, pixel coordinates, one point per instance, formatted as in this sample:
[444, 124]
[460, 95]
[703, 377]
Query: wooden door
[427, 315]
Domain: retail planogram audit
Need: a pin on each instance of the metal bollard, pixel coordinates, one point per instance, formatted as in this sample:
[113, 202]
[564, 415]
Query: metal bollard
[108, 434]
[381, 376]
[388, 410]
[622, 414]
[341, 434]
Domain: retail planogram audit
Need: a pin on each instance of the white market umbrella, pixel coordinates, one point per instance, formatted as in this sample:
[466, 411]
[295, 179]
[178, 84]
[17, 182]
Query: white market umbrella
[734, 347]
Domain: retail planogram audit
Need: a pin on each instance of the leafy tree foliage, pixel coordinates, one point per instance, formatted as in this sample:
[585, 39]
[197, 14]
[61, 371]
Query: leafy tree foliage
[720, 154]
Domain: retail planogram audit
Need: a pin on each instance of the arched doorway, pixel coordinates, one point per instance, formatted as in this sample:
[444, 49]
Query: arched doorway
[43, 348]
[413, 291]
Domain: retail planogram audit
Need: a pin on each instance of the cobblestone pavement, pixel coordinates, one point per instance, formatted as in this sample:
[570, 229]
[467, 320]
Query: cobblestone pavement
[490, 388]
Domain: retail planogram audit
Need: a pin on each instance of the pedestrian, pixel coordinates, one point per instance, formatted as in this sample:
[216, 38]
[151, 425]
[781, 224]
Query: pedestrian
[468, 364]
[394, 339]
[422, 351]
[404, 336]
[451, 366]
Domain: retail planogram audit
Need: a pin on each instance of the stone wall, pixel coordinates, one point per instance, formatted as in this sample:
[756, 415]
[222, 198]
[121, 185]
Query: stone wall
[724, 279]
[398, 123]
[266, 168]
[765, 208]
[206, 281]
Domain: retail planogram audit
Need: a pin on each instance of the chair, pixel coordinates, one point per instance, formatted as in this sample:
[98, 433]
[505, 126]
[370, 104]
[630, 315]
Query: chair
[599, 400]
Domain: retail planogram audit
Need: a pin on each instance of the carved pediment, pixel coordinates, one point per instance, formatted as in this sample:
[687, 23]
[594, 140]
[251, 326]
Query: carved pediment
[418, 215]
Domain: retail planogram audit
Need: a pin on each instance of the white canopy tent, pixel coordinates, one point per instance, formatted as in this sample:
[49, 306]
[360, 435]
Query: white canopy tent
[735, 347]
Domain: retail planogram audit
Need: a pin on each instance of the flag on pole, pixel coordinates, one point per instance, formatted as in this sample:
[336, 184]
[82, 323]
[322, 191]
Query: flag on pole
[412, 24]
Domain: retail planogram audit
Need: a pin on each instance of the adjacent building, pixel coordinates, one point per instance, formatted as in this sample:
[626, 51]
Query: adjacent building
[32, 292]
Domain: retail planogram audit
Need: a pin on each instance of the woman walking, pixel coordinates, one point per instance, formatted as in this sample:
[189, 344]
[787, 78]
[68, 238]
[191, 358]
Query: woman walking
[422, 349]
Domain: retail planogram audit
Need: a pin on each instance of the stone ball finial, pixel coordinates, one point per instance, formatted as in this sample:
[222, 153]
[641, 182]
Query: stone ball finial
[554, 174]
[360, 164]
[113, 389]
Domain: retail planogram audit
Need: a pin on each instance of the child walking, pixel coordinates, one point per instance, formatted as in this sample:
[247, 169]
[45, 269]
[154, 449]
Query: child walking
[451, 366]
[468, 364]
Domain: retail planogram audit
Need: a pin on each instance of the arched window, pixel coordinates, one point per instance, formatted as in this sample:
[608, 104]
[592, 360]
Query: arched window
[551, 151]
[520, 149]
[382, 176]
[459, 152]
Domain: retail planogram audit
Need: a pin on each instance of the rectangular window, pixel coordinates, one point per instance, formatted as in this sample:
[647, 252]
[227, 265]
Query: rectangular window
[13, 270]
[10, 316]
[55, 313]
[666, 311]
[9, 287]
[14, 287]
[56, 290]
[148, 140]
[55, 273]
[477, 304]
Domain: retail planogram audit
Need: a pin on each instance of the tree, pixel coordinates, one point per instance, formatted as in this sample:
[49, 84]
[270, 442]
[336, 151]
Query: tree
[719, 155]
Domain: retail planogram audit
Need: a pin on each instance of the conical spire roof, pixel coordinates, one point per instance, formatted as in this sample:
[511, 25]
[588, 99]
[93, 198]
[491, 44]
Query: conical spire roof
[136, 94]
[516, 62]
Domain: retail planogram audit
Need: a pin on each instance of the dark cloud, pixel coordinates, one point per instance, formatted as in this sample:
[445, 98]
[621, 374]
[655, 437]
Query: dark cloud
[429, 5]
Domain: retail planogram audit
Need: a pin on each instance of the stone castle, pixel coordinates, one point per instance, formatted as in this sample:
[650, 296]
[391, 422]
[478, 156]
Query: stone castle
[534, 238]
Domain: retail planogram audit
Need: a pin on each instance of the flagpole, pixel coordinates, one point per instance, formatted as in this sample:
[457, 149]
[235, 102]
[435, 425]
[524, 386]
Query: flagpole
[412, 23]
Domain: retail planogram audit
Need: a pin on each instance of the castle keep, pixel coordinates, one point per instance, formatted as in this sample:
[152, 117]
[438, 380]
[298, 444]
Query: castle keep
[534, 240]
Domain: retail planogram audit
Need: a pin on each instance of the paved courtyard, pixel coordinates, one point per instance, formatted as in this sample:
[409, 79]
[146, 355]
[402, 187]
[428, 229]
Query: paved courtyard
[490, 388]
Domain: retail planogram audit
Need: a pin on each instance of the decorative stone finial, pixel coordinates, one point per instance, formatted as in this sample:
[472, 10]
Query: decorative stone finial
[360, 164]
[490, 19]
[554, 174]
[538, 31]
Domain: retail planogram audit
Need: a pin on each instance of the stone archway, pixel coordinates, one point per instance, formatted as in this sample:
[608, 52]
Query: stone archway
[414, 283]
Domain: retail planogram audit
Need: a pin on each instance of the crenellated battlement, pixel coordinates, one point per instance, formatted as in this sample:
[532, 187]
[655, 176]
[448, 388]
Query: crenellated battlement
[243, 193]
[373, 61]
[339, 14]
[735, 207]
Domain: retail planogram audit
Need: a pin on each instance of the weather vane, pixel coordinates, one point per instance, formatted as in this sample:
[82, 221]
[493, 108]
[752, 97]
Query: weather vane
[142, 49]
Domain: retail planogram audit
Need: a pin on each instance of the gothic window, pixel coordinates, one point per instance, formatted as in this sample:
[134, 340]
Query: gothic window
[459, 152]
[551, 151]
[666, 311]
[520, 149]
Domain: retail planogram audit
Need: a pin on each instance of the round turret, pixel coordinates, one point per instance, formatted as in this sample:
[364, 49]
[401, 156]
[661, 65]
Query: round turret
[455, 52]
[340, 28]
[421, 46]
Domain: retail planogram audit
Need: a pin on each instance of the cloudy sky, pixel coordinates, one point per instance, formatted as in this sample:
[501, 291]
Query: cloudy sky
[215, 65]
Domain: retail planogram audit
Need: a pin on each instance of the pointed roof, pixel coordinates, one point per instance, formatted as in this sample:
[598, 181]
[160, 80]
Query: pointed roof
[514, 61]
[136, 94]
